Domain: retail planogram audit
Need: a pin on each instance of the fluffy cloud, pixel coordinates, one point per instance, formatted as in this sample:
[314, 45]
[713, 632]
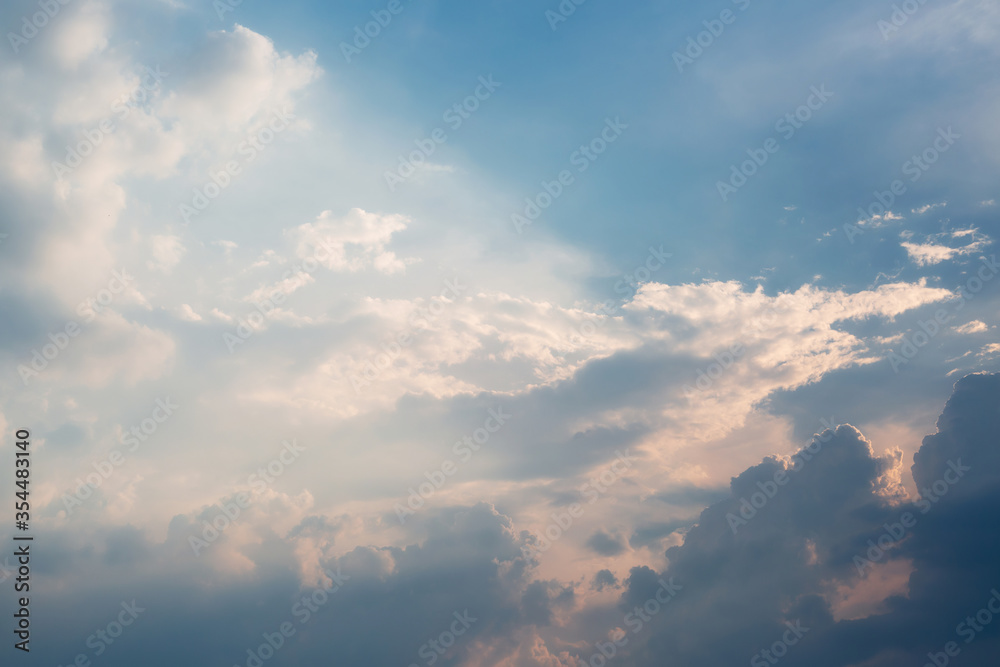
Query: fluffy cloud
[352, 243]
[794, 557]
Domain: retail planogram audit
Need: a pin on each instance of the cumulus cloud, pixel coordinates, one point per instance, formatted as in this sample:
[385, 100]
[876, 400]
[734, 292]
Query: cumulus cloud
[791, 552]
[352, 243]
[791, 556]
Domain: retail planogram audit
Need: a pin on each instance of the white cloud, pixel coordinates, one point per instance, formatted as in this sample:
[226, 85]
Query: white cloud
[928, 207]
[186, 313]
[81, 32]
[352, 243]
[927, 254]
[975, 326]
[877, 221]
[166, 253]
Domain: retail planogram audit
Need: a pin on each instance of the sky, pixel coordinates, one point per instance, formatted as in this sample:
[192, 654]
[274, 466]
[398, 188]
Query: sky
[500, 334]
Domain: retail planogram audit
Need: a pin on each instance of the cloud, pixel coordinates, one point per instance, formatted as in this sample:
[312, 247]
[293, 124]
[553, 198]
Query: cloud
[186, 313]
[352, 243]
[931, 251]
[605, 544]
[795, 552]
[973, 327]
[928, 207]
[468, 563]
[604, 579]
[234, 83]
[166, 253]
[928, 254]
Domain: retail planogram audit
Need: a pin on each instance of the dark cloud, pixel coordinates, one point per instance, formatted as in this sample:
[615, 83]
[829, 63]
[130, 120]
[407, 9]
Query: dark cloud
[649, 534]
[392, 601]
[604, 579]
[605, 544]
[791, 559]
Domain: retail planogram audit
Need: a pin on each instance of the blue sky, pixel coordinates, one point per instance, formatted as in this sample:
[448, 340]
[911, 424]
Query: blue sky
[760, 226]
